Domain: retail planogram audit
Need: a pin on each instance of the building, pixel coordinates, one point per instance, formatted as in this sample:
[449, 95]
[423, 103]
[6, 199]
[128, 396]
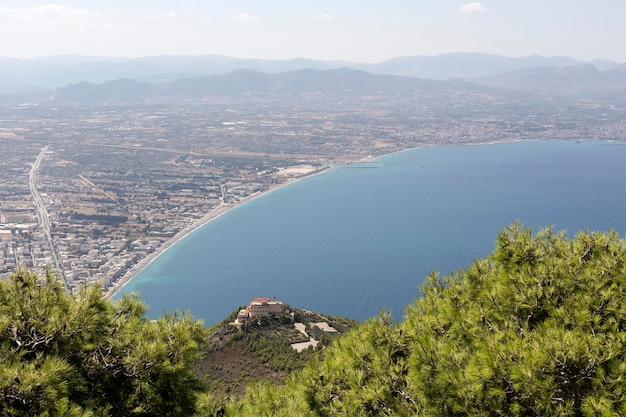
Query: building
[261, 307]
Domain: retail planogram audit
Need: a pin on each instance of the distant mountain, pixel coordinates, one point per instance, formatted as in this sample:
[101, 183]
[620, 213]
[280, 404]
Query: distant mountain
[9, 80]
[61, 71]
[604, 64]
[123, 90]
[9, 98]
[462, 65]
[54, 74]
[13, 91]
[169, 77]
[342, 81]
[58, 71]
[577, 79]
[345, 82]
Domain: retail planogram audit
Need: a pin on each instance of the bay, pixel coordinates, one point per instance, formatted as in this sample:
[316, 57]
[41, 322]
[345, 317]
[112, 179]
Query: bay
[354, 240]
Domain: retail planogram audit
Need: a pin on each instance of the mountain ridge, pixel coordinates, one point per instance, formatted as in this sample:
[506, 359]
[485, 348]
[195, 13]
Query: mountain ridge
[342, 81]
[580, 78]
[58, 71]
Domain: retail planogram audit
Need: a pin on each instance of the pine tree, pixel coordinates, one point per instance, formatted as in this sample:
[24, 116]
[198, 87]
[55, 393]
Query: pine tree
[84, 355]
[537, 328]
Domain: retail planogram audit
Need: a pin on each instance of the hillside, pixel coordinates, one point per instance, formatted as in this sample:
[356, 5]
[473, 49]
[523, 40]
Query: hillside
[264, 350]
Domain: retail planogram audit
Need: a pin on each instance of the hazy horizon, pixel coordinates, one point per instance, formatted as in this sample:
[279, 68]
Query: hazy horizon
[364, 31]
[139, 57]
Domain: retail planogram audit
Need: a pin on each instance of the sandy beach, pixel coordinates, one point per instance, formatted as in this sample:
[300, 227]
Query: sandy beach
[210, 216]
[291, 175]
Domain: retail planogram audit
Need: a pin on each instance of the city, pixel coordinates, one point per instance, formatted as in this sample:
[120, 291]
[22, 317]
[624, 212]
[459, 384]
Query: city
[95, 191]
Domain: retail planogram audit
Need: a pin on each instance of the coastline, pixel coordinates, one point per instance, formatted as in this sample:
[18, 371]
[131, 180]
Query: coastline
[218, 211]
[224, 208]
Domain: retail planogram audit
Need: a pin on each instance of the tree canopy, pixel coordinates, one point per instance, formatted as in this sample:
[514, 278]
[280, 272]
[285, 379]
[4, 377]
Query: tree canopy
[83, 355]
[534, 329]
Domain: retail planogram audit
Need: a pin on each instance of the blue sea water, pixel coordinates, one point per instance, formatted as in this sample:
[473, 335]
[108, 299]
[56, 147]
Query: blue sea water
[353, 241]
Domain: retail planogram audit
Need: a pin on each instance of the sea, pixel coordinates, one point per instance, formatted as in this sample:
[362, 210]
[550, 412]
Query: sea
[357, 240]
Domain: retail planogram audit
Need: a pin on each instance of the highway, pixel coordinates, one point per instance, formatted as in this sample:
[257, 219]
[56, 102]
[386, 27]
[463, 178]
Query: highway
[42, 214]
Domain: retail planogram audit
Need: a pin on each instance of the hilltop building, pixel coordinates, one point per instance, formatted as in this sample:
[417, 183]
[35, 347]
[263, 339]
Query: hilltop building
[261, 307]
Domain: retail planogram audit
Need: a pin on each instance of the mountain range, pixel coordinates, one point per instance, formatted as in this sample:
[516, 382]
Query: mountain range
[311, 82]
[58, 71]
[579, 78]
[94, 79]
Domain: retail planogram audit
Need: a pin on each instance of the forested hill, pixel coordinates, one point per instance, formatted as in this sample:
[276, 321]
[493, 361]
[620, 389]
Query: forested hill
[534, 329]
[266, 349]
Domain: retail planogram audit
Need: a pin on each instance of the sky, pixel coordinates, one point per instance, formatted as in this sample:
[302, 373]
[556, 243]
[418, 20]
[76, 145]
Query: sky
[339, 30]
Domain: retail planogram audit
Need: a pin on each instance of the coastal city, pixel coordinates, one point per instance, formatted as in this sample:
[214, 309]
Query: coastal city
[312, 208]
[94, 192]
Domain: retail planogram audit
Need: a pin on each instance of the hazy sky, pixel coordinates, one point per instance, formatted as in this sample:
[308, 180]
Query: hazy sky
[351, 30]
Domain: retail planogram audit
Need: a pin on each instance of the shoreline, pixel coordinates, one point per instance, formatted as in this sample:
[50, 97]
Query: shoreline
[224, 208]
[218, 211]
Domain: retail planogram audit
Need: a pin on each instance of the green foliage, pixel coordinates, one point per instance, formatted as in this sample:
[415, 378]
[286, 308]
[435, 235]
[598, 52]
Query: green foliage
[266, 400]
[535, 329]
[259, 350]
[362, 373]
[270, 338]
[276, 353]
[83, 355]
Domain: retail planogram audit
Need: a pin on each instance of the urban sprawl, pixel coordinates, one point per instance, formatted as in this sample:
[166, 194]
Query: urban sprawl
[93, 192]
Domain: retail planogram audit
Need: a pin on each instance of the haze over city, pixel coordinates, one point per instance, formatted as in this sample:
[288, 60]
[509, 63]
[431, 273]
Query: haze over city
[348, 30]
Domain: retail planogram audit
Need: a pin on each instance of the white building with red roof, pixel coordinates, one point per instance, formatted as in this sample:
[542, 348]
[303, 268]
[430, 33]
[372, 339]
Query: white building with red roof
[261, 307]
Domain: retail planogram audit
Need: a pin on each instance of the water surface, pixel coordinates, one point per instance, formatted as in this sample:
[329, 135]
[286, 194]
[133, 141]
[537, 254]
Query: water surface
[353, 241]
